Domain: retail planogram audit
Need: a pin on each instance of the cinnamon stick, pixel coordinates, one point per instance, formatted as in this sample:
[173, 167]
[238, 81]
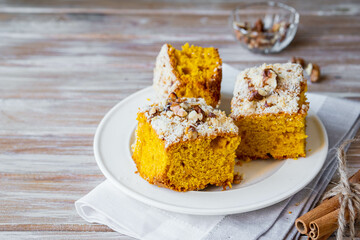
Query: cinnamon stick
[327, 224]
[313, 234]
[323, 238]
[326, 207]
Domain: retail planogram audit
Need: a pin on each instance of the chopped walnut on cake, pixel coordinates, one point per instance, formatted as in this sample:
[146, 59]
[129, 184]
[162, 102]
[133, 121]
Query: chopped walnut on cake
[270, 88]
[173, 117]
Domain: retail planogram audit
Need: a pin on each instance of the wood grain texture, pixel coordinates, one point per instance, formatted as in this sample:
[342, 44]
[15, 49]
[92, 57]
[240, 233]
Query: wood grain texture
[64, 64]
[63, 235]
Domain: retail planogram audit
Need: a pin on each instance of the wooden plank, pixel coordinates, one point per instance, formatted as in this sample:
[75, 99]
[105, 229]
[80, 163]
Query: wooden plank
[61, 235]
[45, 54]
[54, 227]
[43, 199]
[322, 7]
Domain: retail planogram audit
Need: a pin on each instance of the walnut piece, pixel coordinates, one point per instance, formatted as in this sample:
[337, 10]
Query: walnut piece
[194, 116]
[173, 96]
[267, 73]
[308, 69]
[199, 110]
[262, 92]
[315, 73]
[256, 36]
[259, 26]
[298, 61]
[237, 178]
[269, 77]
[254, 95]
[153, 111]
[276, 27]
[175, 107]
[191, 132]
[244, 26]
[269, 82]
[267, 104]
[167, 106]
[313, 70]
[211, 115]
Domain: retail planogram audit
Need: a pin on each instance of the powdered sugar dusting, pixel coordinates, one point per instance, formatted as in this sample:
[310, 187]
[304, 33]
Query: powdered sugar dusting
[276, 97]
[201, 118]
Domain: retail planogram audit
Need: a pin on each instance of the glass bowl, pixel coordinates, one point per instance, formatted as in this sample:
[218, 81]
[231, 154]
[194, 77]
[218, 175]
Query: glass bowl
[264, 27]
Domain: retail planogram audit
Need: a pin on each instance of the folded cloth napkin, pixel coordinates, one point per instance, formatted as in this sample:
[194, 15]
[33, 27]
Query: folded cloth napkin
[109, 206]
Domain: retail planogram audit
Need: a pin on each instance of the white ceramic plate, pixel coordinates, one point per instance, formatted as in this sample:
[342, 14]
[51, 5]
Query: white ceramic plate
[265, 183]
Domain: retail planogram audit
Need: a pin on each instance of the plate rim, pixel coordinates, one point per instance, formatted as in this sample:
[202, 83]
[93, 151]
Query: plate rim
[180, 209]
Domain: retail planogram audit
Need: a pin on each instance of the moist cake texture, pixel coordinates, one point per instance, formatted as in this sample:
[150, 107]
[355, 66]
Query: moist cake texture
[184, 144]
[269, 106]
[193, 72]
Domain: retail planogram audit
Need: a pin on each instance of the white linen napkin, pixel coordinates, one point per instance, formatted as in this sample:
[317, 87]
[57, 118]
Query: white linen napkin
[109, 206]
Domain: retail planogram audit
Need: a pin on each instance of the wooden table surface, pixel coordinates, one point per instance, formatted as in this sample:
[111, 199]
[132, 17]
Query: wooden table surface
[64, 64]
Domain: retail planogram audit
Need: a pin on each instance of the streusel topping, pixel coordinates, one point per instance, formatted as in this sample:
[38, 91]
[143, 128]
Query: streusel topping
[269, 88]
[165, 80]
[181, 119]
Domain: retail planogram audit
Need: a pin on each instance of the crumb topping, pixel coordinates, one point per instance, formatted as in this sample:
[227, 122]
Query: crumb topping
[180, 119]
[165, 80]
[269, 88]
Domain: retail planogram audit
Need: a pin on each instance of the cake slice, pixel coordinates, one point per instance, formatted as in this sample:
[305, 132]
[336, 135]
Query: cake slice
[192, 72]
[269, 106]
[184, 144]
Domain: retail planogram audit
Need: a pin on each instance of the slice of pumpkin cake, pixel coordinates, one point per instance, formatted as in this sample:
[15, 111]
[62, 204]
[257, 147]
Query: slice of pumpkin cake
[184, 144]
[269, 107]
[193, 72]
